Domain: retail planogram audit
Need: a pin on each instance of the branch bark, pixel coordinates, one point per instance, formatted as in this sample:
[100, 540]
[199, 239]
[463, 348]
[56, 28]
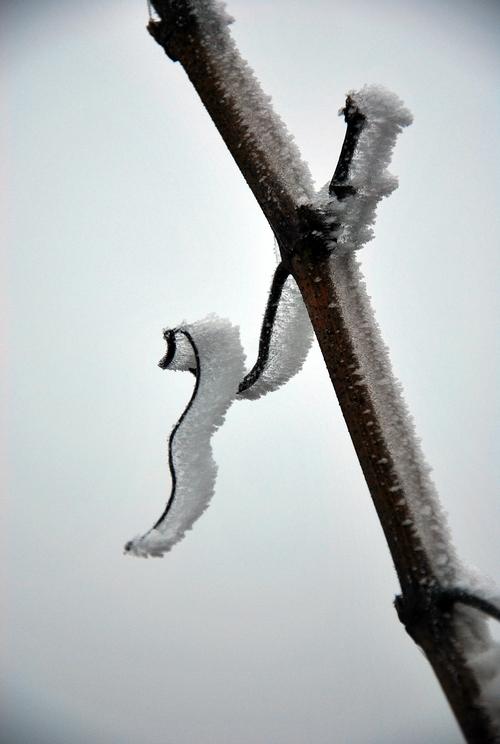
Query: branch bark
[304, 239]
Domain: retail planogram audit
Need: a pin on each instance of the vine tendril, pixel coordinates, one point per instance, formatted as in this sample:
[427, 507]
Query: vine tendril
[280, 276]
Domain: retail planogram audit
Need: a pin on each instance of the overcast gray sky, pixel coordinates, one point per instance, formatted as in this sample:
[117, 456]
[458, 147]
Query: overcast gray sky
[272, 621]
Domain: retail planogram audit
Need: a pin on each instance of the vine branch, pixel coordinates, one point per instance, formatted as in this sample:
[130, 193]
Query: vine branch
[190, 32]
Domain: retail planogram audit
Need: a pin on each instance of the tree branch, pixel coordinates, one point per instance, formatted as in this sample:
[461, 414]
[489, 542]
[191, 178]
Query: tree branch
[193, 32]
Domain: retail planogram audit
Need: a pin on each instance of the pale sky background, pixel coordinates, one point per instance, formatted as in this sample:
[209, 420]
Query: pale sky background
[272, 622]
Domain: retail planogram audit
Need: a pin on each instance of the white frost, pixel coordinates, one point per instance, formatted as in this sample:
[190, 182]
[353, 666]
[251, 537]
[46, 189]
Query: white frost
[184, 358]
[385, 118]
[411, 474]
[236, 81]
[221, 368]
[482, 653]
[221, 356]
[290, 343]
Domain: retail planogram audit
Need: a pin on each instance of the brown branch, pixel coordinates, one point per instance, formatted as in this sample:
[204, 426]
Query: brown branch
[179, 34]
[305, 242]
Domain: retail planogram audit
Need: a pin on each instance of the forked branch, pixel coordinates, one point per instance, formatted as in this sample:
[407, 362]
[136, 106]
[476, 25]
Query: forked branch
[315, 237]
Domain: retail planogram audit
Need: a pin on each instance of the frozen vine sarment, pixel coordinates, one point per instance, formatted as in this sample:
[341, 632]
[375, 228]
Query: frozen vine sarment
[212, 348]
[411, 478]
[274, 162]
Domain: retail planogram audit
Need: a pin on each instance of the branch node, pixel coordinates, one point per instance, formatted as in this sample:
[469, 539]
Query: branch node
[414, 609]
[317, 240]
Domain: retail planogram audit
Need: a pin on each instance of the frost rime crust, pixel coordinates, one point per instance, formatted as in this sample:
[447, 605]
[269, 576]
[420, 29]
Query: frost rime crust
[385, 116]
[291, 340]
[412, 474]
[236, 80]
[221, 368]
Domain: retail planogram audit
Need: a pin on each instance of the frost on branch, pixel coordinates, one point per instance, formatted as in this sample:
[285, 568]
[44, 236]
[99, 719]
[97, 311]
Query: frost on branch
[236, 83]
[369, 180]
[411, 474]
[273, 168]
[212, 348]
[291, 339]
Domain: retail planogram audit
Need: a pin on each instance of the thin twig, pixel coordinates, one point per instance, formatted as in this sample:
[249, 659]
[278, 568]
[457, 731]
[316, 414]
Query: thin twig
[355, 121]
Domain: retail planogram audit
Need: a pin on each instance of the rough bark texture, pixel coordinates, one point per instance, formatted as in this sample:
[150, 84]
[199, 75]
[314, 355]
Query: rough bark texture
[305, 248]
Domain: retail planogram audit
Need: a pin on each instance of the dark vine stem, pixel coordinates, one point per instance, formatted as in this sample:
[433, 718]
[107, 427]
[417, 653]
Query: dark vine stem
[280, 276]
[355, 121]
[170, 355]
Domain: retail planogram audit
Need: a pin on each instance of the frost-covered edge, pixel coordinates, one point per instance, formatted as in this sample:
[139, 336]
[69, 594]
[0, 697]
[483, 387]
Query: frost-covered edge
[411, 477]
[221, 366]
[353, 216]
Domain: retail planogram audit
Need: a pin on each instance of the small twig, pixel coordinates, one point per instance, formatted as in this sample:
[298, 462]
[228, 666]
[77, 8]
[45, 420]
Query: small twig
[355, 121]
